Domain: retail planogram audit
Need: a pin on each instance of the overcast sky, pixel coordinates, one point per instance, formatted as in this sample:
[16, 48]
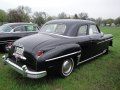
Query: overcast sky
[94, 8]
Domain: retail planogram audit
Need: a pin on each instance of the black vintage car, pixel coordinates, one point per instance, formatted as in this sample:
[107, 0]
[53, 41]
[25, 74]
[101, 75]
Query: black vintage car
[12, 31]
[61, 44]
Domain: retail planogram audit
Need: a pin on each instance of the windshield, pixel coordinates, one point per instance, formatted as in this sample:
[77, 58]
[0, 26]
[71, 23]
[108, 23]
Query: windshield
[5, 28]
[53, 28]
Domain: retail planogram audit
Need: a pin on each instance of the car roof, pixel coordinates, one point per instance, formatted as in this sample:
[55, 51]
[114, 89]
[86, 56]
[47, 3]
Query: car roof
[72, 25]
[71, 21]
[13, 25]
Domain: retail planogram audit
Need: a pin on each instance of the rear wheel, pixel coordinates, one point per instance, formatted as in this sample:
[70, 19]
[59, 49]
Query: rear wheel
[66, 67]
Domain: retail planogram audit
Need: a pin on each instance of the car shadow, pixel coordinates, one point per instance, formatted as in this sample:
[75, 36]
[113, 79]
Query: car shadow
[20, 80]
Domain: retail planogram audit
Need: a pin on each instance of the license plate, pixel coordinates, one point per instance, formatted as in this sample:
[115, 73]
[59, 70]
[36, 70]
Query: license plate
[19, 50]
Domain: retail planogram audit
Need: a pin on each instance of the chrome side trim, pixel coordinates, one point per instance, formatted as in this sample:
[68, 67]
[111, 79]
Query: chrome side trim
[104, 40]
[78, 58]
[63, 56]
[91, 57]
[64, 35]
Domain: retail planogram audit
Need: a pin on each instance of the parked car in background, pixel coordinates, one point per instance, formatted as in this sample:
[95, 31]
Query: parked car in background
[61, 44]
[13, 31]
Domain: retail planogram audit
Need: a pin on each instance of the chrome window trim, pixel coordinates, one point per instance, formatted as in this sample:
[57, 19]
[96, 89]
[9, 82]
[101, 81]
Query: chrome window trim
[65, 36]
[68, 36]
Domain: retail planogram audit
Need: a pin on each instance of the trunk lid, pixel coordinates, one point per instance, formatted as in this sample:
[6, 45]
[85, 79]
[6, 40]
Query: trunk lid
[30, 42]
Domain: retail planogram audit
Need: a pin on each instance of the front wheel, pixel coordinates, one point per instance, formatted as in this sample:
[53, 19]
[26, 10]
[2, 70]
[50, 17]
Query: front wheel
[66, 67]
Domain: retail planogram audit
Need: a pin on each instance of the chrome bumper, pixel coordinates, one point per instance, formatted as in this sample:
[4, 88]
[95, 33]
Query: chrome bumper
[24, 70]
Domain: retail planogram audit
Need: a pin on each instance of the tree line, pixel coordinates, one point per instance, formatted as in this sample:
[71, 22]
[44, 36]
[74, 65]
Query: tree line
[24, 14]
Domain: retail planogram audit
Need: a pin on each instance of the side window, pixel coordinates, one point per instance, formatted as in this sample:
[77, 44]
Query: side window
[31, 28]
[19, 29]
[93, 30]
[35, 28]
[82, 30]
[60, 29]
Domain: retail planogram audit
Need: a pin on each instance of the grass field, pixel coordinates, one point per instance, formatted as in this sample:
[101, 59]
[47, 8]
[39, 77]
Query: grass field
[102, 73]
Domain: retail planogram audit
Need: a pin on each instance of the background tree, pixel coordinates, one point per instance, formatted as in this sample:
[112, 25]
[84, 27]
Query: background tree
[50, 18]
[109, 21]
[13, 16]
[117, 21]
[104, 21]
[24, 13]
[92, 19]
[62, 16]
[75, 16]
[3, 16]
[39, 18]
[21, 14]
[83, 16]
[99, 21]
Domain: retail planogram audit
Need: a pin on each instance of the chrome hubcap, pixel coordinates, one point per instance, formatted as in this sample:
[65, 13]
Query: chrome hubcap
[67, 67]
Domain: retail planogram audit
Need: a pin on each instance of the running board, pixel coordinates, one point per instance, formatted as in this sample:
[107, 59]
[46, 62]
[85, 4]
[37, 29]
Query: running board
[91, 57]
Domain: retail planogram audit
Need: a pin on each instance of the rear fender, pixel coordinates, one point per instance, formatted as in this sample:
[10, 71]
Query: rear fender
[61, 51]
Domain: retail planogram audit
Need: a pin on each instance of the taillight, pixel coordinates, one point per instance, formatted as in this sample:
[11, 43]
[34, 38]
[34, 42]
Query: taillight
[10, 44]
[40, 53]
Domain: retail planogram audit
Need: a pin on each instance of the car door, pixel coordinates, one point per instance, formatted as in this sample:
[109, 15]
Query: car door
[96, 37]
[31, 29]
[84, 42]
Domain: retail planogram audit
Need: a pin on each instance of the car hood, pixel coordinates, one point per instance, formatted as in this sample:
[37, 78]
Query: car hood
[30, 42]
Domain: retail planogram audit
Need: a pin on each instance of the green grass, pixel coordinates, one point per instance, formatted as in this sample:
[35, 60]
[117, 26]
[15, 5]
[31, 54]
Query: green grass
[102, 73]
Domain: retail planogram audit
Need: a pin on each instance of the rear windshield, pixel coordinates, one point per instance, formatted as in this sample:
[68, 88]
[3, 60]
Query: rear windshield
[54, 28]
